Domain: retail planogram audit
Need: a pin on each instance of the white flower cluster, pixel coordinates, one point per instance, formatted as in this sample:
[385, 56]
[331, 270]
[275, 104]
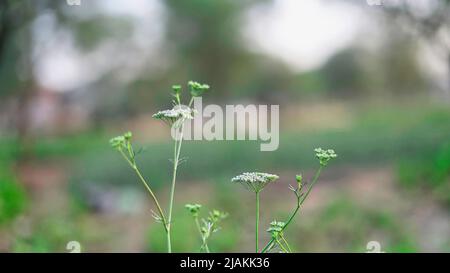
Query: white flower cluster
[325, 156]
[174, 115]
[255, 181]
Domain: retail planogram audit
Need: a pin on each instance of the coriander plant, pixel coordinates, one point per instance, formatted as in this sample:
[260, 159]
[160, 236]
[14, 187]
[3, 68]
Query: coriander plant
[256, 182]
[253, 181]
[175, 118]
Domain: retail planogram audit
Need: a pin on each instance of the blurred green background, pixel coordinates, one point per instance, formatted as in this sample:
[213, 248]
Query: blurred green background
[370, 81]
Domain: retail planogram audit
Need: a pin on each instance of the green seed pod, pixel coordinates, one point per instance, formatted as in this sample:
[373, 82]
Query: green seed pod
[299, 179]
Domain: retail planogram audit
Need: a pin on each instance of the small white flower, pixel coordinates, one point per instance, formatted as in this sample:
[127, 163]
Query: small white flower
[177, 114]
[255, 181]
[325, 156]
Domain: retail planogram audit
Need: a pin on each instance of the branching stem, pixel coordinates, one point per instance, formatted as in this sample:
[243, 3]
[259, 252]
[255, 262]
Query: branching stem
[133, 165]
[300, 201]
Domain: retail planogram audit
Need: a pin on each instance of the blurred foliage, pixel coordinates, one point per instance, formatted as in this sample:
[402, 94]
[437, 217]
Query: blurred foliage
[202, 41]
[310, 84]
[375, 138]
[206, 41]
[330, 227]
[430, 173]
[343, 73]
[186, 239]
[13, 198]
[47, 235]
[91, 32]
[334, 227]
[51, 147]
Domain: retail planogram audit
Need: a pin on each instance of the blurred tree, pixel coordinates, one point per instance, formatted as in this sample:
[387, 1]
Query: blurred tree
[206, 38]
[399, 67]
[344, 73]
[21, 50]
[16, 63]
[311, 84]
[408, 22]
[391, 70]
[430, 21]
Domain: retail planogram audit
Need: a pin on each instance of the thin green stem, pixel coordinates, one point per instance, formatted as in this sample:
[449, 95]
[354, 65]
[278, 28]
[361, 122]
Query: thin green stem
[163, 218]
[153, 196]
[204, 242]
[269, 247]
[197, 223]
[300, 202]
[206, 247]
[281, 245]
[286, 243]
[176, 159]
[257, 222]
[316, 176]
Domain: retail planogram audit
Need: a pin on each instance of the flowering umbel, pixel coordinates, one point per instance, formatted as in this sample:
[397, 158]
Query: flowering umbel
[255, 181]
[176, 115]
[325, 156]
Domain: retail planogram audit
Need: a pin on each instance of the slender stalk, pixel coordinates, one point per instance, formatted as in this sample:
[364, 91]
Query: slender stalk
[257, 222]
[198, 226]
[316, 176]
[300, 202]
[153, 196]
[286, 243]
[176, 159]
[281, 246]
[204, 243]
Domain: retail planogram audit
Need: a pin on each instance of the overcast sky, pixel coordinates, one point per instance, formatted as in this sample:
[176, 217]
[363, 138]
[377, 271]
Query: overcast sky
[304, 33]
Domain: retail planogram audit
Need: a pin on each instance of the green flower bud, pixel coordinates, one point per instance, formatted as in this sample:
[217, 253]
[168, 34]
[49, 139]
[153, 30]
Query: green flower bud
[193, 209]
[176, 89]
[299, 178]
[128, 135]
[197, 89]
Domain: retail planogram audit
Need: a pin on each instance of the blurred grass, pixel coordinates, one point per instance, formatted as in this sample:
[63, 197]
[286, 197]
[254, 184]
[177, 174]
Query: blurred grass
[50, 147]
[428, 174]
[46, 235]
[13, 199]
[341, 225]
[346, 226]
[376, 138]
[186, 238]
[413, 139]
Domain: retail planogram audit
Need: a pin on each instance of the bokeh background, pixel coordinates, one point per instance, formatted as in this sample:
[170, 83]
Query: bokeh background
[370, 79]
